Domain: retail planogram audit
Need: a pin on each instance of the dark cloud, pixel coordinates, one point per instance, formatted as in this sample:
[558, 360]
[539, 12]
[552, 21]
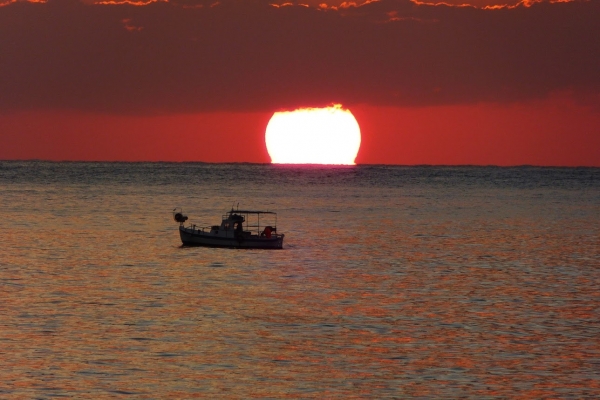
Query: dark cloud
[249, 55]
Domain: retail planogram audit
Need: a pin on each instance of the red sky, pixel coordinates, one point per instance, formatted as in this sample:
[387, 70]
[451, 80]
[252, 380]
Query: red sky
[492, 82]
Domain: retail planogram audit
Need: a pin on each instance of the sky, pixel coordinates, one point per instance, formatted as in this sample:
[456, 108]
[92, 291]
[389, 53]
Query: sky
[481, 82]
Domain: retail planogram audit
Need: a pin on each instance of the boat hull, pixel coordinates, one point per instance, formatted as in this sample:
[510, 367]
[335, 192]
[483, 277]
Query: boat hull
[190, 237]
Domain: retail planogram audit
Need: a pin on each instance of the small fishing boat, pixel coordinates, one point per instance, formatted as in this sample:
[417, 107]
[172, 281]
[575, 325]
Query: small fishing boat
[245, 229]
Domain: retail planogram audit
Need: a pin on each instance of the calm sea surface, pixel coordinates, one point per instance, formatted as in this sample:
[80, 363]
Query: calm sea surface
[394, 282]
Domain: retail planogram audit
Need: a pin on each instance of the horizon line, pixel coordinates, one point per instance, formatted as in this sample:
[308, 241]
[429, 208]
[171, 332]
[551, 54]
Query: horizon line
[279, 165]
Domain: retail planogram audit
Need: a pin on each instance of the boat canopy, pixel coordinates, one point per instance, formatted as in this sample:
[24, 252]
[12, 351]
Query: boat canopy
[250, 212]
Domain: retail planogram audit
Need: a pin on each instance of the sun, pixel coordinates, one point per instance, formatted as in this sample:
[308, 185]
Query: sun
[329, 135]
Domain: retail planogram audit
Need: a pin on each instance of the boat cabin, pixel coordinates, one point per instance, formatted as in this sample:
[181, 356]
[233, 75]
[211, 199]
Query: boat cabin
[236, 223]
[230, 222]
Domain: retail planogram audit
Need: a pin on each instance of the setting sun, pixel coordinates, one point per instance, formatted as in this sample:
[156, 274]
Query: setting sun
[327, 135]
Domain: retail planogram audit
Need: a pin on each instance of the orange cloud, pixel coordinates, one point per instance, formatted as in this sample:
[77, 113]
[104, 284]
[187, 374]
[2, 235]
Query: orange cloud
[440, 3]
[345, 5]
[488, 4]
[394, 17]
[335, 5]
[7, 2]
[330, 4]
[482, 4]
[130, 27]
[130, 2]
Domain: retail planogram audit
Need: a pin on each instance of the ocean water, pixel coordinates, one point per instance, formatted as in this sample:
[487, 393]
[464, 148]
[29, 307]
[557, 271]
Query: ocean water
[394, 282]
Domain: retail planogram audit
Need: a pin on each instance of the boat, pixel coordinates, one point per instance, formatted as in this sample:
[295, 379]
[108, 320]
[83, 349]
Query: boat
[243, 229]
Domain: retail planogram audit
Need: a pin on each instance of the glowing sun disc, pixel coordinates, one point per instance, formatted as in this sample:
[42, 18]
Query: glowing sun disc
[329, 135]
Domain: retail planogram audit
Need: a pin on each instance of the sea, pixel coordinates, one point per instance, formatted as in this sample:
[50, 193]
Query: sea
[393, 282]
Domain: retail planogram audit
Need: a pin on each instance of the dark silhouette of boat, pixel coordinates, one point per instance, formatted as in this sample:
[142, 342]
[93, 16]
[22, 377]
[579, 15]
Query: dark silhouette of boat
[239, 229]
